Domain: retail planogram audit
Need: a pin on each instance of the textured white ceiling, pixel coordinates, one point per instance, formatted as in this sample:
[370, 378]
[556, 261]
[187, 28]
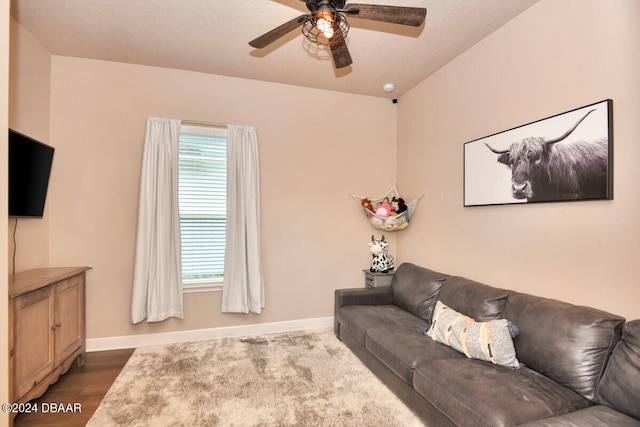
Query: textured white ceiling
[211, 36]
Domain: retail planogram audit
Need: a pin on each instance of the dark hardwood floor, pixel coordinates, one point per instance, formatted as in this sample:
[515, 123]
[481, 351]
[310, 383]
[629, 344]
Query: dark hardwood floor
[85, 386]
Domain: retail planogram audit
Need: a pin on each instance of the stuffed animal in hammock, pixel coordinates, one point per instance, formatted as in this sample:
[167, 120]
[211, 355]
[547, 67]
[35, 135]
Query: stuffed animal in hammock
[366, 203]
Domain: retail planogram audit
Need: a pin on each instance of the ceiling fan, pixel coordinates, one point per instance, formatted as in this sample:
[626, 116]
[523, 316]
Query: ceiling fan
[326, 24]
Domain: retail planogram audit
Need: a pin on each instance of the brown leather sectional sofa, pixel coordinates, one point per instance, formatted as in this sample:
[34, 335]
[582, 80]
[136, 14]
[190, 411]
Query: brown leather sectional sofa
[578, 366]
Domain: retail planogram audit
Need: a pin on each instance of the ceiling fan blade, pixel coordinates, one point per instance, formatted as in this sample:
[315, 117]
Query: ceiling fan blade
[340, 53]
[267, 38]
[413, 16]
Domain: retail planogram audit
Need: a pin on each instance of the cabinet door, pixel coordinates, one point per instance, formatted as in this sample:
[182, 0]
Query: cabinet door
[69, 317]
[33, 355]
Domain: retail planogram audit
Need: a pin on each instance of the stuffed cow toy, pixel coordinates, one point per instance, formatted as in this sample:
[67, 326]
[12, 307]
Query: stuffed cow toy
[381, 259]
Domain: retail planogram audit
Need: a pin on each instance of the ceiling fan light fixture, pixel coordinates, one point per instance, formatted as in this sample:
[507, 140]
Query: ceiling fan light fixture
[325, 27]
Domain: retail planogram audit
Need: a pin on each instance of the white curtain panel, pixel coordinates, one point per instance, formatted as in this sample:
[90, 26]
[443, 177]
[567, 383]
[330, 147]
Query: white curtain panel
[243, 287]
[157, 281]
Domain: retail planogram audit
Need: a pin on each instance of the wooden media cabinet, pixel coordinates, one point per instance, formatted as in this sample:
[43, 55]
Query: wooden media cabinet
[46, 328]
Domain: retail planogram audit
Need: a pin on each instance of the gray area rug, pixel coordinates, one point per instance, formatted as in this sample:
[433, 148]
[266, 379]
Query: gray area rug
[292, 379]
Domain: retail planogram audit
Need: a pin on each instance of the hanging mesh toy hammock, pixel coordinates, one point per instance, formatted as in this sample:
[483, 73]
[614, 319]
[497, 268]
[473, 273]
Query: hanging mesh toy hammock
[379, 219]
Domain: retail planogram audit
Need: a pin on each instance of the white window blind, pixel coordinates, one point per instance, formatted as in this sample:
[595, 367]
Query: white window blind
[202, 192]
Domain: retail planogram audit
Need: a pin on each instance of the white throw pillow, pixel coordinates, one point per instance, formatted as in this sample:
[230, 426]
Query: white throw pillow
[488, 341]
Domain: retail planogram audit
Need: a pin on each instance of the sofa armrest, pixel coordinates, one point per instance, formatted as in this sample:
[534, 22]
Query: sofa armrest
[360, 296]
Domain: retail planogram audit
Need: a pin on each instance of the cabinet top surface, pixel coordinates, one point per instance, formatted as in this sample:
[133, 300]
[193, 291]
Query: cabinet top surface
[377, 273]
[31, 280]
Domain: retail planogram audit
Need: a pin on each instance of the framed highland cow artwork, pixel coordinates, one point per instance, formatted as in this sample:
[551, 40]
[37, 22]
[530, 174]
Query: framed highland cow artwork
[565, 157]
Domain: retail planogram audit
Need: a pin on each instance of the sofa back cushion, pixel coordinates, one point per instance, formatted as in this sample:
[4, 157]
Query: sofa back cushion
[416, 289]
[620, 387]
[476, 300]
[568, 343]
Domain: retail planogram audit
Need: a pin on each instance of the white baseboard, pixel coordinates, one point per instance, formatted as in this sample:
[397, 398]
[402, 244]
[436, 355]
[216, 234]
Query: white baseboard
[133, 341]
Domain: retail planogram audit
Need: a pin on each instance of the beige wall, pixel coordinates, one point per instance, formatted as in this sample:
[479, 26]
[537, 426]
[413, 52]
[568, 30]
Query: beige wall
[555, 57]
[4, 123]
[30, 71]
[312, 155]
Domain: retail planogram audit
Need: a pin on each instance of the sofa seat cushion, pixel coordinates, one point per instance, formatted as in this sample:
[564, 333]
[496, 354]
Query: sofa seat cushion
[476, 393]
[595, 416]
[401, 349]
[358, 319]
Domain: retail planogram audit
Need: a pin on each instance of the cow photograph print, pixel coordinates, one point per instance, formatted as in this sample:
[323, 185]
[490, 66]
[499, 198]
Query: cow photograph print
[561, 158]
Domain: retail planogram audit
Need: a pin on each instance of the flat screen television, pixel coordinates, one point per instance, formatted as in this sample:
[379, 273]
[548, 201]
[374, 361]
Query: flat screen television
[29, 170]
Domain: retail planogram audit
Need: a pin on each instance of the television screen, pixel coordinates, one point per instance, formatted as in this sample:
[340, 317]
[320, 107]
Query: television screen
[29, 169]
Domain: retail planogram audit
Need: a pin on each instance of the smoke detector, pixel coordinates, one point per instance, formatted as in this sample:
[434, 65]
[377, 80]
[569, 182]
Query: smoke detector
[388, 87]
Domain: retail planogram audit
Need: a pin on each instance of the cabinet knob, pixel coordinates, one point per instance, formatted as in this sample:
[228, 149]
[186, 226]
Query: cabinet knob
[56, 326]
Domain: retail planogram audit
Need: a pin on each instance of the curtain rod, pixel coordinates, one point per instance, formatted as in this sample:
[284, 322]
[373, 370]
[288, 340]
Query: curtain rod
[196, 122]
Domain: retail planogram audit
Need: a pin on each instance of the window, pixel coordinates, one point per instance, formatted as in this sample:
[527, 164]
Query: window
[202, 194]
